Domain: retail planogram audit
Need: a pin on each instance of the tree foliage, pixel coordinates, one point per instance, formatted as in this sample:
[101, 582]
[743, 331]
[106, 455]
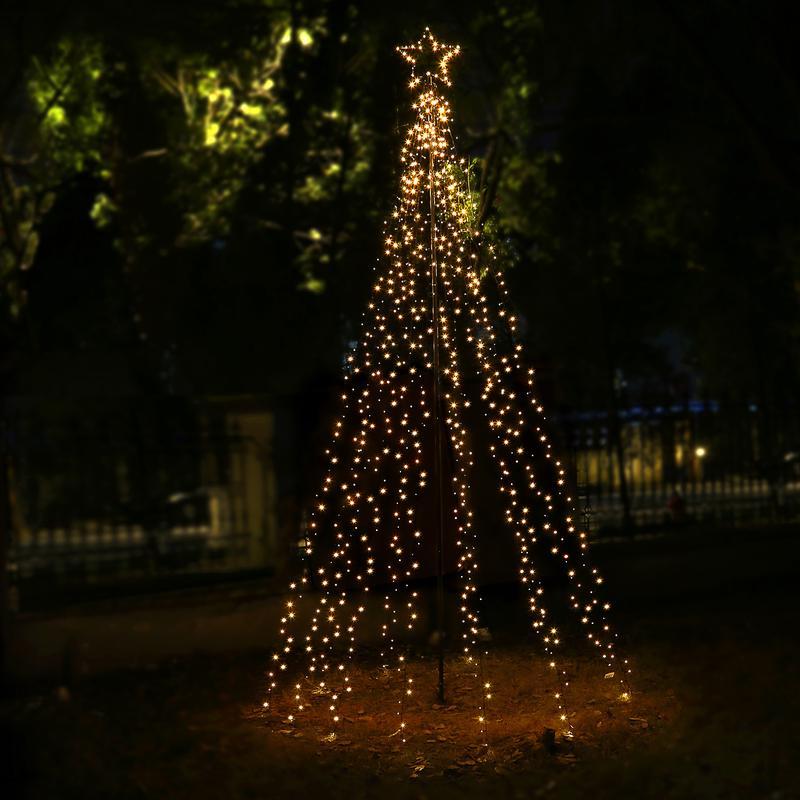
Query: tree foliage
[632, 163]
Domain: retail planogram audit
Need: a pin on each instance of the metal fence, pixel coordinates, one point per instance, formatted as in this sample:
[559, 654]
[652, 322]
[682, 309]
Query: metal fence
[115, 502]
[698, 462]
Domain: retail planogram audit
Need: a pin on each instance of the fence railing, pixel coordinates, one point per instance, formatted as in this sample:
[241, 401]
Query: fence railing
[684, 463]
[125, 505]
[125, 502]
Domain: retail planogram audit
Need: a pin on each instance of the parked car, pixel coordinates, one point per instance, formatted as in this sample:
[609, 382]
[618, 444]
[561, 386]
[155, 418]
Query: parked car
[200, 521]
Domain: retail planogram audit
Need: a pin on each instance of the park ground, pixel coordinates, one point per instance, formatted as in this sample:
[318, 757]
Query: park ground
[713, 714]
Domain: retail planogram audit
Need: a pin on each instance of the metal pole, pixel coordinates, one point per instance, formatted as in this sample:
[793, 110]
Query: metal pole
[437, 423]
[5, 543]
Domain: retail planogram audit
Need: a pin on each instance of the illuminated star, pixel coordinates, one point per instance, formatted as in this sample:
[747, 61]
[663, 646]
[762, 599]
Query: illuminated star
[429, 58]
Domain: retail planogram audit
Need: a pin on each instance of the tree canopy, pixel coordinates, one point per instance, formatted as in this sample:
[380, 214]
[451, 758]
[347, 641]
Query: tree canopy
[197, 192]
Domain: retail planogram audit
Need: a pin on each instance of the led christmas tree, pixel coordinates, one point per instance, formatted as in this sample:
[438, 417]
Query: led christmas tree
[399, 465]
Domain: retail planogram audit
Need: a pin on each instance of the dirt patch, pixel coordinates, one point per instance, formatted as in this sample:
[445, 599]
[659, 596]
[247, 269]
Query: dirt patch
[713, 714]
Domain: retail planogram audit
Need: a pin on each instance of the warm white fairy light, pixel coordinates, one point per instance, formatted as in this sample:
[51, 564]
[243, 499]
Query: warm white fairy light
[379, 460]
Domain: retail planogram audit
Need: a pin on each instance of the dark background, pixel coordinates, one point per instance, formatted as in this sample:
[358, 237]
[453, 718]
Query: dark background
[638, 163]
[192, 199]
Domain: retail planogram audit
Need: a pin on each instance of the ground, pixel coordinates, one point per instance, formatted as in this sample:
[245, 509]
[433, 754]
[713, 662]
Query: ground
[713, 714]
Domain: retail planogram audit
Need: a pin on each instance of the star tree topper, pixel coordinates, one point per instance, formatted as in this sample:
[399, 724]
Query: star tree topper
[429, 58]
